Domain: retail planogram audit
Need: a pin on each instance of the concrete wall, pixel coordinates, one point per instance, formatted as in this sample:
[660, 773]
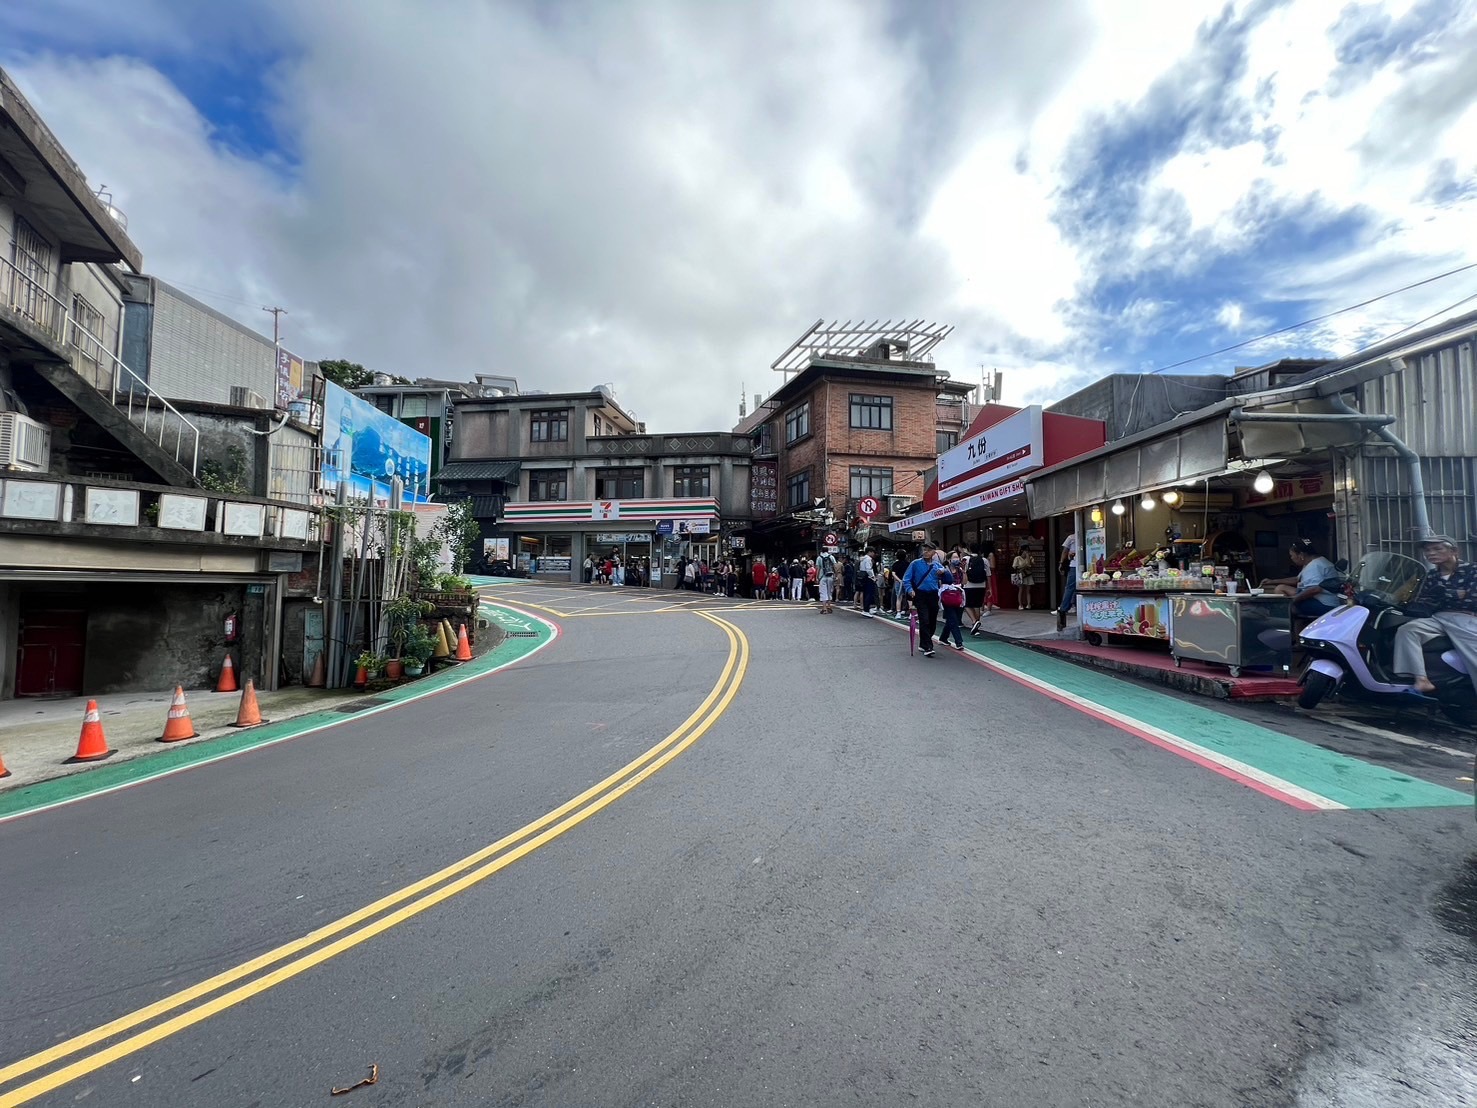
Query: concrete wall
[156, 636]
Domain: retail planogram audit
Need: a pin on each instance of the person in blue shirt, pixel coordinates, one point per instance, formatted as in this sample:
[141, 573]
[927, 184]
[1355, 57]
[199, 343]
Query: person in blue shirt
[921, 586]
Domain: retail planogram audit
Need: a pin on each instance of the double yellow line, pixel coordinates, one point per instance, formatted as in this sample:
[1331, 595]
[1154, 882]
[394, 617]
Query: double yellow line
[303, 954]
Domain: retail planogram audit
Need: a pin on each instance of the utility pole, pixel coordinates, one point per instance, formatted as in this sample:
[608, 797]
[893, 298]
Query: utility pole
[277, 314]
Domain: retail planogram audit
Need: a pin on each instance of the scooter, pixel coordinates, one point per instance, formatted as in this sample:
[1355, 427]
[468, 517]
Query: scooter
[1353, 646]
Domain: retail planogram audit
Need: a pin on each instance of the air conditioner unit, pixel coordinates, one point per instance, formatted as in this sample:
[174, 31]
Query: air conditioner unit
[24, 443]
[897, 506]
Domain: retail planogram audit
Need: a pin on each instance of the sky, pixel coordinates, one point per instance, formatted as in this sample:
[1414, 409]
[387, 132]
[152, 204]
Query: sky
[662, 196]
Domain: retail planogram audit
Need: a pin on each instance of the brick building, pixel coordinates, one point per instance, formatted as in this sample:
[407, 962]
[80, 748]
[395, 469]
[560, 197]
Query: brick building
[865, 415]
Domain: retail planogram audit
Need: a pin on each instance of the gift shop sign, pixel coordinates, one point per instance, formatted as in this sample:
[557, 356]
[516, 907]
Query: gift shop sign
[1009, 448]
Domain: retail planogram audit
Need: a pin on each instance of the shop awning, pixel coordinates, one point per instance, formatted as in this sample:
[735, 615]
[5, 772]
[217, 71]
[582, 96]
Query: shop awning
[1223, 438]
[478, 471]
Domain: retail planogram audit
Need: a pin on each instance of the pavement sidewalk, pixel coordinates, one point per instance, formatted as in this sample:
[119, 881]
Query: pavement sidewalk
[37, 736]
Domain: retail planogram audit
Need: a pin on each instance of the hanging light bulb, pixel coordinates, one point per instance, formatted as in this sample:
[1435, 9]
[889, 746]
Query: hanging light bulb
[1263, 482]
[1171, 497]
[1147, 503]
[1118, 508]
[1097, 515]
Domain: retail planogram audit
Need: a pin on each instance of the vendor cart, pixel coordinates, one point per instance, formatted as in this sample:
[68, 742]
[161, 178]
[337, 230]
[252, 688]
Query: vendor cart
[1238, 631]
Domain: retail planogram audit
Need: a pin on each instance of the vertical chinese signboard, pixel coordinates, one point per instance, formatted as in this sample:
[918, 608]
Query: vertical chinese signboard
[764, 481]
[289, 378]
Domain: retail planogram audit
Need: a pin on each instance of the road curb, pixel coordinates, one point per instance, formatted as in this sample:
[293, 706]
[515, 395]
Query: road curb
[56, 791]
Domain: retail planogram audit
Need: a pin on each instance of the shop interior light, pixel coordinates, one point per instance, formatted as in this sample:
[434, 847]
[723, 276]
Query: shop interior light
[1263, 482]
[1118, 508]
[1148, 502]
[1171, 497]
[1097, 515]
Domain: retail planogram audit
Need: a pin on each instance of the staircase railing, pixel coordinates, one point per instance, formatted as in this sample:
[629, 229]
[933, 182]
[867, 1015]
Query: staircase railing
[126, 390]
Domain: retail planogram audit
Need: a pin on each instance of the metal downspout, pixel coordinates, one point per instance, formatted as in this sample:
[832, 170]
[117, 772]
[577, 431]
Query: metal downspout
[1412, 462]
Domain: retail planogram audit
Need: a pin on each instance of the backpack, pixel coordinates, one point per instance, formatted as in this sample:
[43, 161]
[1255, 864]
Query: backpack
[828, 565]
[978, 570]
[951, 596]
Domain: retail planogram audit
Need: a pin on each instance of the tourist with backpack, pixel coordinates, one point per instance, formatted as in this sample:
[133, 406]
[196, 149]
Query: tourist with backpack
[951, 604]
[921, 586]
[825, 579]
[976, 589]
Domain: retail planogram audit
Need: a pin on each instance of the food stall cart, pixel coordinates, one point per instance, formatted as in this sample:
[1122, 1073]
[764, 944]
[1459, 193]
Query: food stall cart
[1236, 630]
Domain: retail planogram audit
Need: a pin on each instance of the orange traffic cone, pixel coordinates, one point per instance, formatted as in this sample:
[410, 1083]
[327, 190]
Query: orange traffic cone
[463, 647]
[319, 679]
[249, 715]
[91, 745]
[178, 725]
[3, 771]
[227, 683]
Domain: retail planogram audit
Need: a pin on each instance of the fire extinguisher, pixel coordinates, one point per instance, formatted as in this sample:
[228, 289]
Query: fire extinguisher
[231, 627]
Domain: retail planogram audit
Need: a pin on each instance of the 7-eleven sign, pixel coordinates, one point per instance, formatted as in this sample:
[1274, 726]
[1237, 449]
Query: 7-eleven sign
[606, 509]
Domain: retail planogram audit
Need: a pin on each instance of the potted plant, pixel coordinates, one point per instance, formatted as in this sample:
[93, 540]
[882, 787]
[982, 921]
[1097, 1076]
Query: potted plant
[417, 649]
[401, 614]
[364, 662]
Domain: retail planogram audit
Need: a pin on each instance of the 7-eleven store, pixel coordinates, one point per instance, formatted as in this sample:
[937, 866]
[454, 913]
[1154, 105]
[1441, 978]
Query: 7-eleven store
[559, 535]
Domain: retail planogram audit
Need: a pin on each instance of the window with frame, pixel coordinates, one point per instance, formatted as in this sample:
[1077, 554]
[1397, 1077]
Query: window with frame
[797, 423]
[798, 490]
[692, 481]
[871, 481]
[87, 326]
[31, 255]
[549, 426]
[548, 484]
[947, 440]
[871, 413]
[620, 484]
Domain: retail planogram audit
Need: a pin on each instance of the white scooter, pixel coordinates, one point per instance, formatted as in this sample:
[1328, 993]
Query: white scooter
[1353, 646]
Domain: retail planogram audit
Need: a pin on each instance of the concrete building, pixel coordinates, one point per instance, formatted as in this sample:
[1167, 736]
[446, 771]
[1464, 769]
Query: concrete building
[117, 569]
[559, 476]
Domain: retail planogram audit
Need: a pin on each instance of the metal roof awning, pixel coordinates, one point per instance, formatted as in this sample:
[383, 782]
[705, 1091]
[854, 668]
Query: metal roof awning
[478, 471]
[1220, 439]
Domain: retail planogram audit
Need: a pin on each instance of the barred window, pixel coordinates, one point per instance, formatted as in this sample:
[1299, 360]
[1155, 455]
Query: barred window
[871, 413]
[870, 481]
[548, 484]
[797, 423]
[692, 481]
[798, 488]
[549, 426]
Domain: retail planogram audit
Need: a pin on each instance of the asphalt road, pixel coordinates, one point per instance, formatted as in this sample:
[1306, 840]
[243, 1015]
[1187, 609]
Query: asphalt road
[874, 879]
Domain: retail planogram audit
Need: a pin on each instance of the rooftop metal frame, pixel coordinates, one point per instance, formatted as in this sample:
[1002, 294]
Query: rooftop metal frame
[857, 338]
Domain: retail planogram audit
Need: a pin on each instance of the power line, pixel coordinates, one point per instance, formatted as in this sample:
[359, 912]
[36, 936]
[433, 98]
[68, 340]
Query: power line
[1321, 318]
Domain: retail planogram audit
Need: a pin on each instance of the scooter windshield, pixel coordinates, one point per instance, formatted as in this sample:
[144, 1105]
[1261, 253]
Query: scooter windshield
[1392, 577]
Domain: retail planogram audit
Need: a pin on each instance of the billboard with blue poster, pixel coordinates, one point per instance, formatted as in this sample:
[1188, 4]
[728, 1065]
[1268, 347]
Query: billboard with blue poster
[368, 448]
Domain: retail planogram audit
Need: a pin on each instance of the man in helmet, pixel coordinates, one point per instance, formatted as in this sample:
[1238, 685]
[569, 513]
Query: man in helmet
[1452, 592]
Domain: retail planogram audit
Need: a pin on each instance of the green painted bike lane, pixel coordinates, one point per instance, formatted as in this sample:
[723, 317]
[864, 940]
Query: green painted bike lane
[1297, 772]
[525, 635]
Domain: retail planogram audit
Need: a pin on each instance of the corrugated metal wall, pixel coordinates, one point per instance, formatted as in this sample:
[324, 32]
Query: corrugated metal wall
[198, 354]
[1434, 402]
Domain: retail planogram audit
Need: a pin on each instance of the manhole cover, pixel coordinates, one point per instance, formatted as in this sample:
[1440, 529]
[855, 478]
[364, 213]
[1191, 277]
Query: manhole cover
[359, 705]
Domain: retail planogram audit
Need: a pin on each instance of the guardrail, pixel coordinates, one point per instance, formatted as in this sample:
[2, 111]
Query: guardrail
[126, 390]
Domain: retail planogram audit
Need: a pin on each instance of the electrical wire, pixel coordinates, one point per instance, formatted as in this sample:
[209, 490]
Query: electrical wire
[1321, 318]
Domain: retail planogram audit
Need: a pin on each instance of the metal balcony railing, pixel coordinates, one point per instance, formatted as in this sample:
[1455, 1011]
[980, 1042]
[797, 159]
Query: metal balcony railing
[127, 391]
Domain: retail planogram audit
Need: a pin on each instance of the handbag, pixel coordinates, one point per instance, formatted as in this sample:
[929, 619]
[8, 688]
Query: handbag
[1017, 579]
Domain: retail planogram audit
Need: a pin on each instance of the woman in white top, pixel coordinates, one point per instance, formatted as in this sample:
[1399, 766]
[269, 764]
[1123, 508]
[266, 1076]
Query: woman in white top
[1309, 598]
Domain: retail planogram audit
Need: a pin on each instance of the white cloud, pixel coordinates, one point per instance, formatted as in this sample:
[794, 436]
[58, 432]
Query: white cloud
[664, 195]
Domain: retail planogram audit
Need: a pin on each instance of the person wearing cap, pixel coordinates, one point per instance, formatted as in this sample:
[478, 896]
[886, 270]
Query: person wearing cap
[1452, 592]
[921, 586]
